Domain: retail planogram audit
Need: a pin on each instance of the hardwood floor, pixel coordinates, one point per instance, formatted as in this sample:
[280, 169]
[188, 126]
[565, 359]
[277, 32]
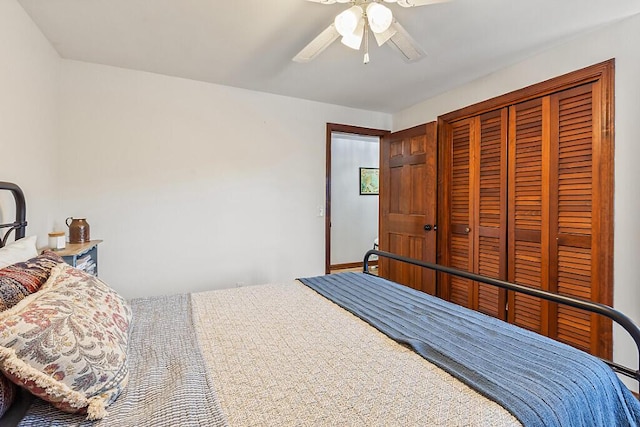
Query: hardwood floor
[373, 269]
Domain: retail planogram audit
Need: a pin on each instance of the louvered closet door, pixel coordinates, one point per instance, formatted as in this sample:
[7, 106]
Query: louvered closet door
[533, 225]
[477, 198]
[552, 206]
[575, 236]
[529, 211]
[527, 195]
[490, 217]
[458, 252]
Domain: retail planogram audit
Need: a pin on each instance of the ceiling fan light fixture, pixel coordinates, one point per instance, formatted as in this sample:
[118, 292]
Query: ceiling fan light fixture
[379, 16]
[347, 22]
[354, 40]
[363, 16]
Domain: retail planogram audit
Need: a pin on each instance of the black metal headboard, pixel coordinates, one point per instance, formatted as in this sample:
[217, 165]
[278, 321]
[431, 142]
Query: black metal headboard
[20, 224]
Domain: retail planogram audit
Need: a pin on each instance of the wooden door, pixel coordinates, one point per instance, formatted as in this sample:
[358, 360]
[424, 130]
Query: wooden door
[490, 216]
[560, 186]
[408, 194]
[558, 209]
[473, 213]
[456, 206]
[581, 191]
[529, 174]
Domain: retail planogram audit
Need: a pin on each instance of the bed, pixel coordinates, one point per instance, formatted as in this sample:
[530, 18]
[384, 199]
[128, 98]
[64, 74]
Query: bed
[345, 349]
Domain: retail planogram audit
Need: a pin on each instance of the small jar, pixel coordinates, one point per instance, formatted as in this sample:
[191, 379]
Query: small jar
[57, 240]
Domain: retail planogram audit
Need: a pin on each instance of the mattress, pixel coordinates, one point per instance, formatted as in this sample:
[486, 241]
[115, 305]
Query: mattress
[283, 355]
[274, 355]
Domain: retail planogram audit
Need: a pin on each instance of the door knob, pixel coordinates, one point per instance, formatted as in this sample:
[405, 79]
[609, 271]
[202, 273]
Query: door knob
[467, 230]
[428, 227]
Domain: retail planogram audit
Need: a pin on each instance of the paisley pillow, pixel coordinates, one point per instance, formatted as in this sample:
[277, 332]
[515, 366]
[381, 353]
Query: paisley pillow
[16, 282]
[67, 343]
[24, 278]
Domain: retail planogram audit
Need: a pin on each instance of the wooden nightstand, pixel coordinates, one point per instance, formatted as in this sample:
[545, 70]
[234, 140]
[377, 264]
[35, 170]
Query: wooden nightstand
[83, 256]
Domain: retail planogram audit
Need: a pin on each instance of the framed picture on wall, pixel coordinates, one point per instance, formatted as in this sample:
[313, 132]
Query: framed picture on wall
[369, 181]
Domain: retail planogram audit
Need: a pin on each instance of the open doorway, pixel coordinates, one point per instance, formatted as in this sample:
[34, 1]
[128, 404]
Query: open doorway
[352, 212]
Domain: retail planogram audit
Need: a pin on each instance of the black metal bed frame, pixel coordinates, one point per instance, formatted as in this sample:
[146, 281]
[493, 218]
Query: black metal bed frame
[590, 306]
[20, 224]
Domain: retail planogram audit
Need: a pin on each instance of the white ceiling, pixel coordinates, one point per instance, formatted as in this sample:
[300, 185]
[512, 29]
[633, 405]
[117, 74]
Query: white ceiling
[250, 43]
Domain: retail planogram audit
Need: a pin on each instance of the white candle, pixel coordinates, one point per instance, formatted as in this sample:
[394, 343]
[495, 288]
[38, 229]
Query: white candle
[57, 240]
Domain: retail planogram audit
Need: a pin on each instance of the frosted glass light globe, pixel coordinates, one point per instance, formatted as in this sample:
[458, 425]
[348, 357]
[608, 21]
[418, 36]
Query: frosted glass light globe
[380, 17]
[354, 40]
[347, 22]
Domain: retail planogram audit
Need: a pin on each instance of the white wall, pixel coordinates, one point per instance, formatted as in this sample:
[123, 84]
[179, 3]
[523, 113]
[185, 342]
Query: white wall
[617, 41]
[191, 185]
[354, 218]
[28, 84]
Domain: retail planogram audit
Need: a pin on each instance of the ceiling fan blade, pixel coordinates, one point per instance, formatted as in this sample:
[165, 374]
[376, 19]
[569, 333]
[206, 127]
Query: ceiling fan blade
[382, 38]
[329, 1]
[318, 45]
[405, 44]
[413, 3]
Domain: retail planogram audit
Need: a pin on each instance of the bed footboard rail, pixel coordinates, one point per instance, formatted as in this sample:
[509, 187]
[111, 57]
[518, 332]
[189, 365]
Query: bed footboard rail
[20, 223]
[590, 306]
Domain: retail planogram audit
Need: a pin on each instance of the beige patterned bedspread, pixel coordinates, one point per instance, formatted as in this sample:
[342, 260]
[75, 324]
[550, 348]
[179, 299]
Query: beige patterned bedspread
[282, 355]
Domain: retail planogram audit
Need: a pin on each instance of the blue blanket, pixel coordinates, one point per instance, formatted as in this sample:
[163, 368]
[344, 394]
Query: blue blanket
[540, 381]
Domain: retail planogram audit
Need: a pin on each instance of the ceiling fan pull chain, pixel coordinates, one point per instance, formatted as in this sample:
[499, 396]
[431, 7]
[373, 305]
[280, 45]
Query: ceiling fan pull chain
[366, 42]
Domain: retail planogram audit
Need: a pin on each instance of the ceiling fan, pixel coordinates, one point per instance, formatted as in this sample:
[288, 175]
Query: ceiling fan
[355, 23]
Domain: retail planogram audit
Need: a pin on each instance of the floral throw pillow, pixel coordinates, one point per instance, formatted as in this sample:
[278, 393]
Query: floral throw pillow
[67, 343]
[24, 278]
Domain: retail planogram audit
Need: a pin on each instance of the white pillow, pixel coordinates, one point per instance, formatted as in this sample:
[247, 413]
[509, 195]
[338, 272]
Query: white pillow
[18, 251]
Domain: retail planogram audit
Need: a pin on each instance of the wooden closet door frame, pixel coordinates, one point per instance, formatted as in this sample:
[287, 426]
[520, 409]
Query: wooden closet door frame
[602, 76]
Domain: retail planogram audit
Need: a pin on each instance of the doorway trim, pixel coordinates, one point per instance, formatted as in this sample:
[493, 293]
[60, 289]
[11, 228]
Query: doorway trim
[331, 128]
